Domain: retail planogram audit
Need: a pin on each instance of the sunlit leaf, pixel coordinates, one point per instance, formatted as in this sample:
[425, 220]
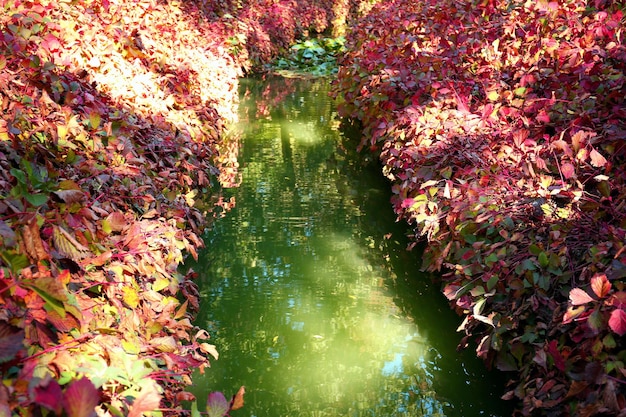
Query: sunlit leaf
[579, 296]
[130, 297]
[237, 401]
[600, 285]
[210, 349]
[164, 344]
[597, 160]
[148, 400]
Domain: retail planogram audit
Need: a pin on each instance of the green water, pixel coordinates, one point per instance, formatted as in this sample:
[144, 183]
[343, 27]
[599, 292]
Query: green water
[307, 289]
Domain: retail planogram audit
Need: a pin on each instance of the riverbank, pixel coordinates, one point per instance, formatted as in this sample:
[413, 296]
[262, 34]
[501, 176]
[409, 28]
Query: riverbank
[114, 124]
[501, 129]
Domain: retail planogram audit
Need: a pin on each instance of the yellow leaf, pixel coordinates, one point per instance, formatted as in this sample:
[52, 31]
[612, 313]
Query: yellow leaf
[493, 95]
[160, 283]
[130, 297]
[130, 347]
[62, 131]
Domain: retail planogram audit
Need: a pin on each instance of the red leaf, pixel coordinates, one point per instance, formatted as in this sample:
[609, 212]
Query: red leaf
[81, 398]
[578, 296]
[216, 405]
[600, 285]
[618, 300]
[11, 341]
[597, 160]
[149, 399]
[553, 350]
[568, 170]
[543, 117]
[617, 321]
[49, 396]
[237, 402]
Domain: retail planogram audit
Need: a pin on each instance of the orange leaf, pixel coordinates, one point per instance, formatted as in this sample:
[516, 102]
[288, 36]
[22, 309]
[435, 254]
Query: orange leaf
[600, 285]
[237, 402]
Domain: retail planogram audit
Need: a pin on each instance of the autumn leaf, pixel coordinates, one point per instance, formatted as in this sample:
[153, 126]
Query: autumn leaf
[568, 170]
[114, 222]
[579, 296]
[149, 399]
[216, 405]
[81, 398]
[600, 285]
[164, 344]
[210, 349]
[597, 160]
[11, 341]
[49, 395]
[237, 401]
[617, 321]
[32, 241]
[69, 196]
[130, 297]
[67, 245]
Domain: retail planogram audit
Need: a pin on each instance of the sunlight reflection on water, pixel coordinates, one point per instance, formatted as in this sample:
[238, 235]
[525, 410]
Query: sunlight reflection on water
[298, 282]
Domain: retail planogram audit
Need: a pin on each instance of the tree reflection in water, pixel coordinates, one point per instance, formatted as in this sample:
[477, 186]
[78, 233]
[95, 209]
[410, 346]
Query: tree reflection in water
[298, 282]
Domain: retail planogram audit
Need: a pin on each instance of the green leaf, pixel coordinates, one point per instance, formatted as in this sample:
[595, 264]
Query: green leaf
[94, 119]
[19, 175]
[194, 409]
[492, 282]
[36, 200]
[543, 260]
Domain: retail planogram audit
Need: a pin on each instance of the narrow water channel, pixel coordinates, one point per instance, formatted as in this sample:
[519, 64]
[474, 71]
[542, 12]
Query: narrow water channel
[307, 289]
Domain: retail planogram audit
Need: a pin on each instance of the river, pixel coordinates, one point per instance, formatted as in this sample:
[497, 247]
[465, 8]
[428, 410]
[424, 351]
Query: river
[306, 286]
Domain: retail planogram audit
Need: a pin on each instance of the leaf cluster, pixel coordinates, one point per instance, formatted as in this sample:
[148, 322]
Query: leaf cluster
[113, 123]
[501, 127]
[316, 57]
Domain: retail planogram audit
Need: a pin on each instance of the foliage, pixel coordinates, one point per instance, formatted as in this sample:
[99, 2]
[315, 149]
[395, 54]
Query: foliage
[317, 57]
[501, 125]
[112, 124]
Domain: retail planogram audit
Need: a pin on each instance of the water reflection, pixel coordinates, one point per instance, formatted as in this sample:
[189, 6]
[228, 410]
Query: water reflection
[299, 285]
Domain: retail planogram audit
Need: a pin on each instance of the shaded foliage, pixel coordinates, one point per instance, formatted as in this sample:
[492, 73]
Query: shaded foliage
[501, 127]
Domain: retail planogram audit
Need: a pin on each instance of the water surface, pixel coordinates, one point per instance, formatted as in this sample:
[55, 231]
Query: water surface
[307, 289]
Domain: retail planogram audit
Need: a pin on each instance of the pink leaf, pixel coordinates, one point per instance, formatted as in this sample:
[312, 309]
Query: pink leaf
[81, 398]
[597, 160]
[600, 285]
[407, 202]
[543, 117]
[617, 321]
[216, 405]
[578, 297]
[568, 170]
[149, 399]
